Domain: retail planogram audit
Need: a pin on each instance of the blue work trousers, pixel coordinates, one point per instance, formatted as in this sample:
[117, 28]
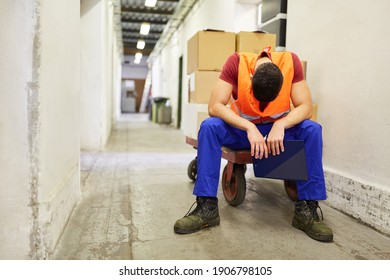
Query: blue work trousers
[215, 133]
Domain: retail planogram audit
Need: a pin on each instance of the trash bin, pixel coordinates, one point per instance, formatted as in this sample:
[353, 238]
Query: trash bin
[165, 115]
[158, 102]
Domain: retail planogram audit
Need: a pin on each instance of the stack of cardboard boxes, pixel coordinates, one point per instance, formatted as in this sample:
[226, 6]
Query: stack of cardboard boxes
[208, 50]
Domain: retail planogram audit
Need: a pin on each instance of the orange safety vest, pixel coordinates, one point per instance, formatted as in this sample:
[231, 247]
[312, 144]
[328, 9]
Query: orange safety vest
[246, 105]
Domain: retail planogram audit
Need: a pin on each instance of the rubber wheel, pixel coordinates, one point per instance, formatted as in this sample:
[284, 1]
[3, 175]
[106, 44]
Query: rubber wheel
[235, 191]
[291, 189]
[192, 170]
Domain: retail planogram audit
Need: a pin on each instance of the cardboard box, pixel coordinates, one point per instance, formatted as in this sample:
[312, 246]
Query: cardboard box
[304, 67]
[254, 42]
[193, 115]
[200, 85]
[209, 50]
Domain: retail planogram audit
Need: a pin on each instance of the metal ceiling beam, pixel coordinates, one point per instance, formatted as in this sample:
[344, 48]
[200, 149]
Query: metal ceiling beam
[146, 11]
[141, 21]
[133, 14]
[124, 29]
[135, 40]
[139, 36]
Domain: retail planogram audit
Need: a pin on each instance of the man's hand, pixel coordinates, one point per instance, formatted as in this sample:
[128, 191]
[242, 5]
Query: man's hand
[258, 145]
[275, 138]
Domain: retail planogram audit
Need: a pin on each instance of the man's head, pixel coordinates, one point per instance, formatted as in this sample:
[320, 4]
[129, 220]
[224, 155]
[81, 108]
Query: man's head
[267, 82]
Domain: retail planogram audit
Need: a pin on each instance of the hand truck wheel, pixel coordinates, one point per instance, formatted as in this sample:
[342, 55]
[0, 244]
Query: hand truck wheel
[234, 184]
[290, 187]
[192, 169]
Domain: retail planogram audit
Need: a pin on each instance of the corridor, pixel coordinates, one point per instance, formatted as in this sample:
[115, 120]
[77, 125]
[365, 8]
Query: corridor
[137, 186]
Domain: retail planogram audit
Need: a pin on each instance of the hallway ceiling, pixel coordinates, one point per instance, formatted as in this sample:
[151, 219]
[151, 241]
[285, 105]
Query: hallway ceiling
[134, 13]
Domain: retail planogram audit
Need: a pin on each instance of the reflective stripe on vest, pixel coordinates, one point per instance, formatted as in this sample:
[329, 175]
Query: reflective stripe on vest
[246, 104]
[262, 120]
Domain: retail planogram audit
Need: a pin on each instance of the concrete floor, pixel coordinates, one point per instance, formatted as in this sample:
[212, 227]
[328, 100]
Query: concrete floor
[135, 189]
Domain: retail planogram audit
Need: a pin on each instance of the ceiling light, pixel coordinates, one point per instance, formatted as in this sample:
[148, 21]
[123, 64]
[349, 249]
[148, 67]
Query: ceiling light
[137, 61]
[150, 3]
[138, 55]
[140, 44]
[145, 27]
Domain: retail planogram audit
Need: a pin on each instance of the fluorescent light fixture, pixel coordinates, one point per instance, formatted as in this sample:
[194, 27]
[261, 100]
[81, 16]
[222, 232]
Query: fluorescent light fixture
[137, 61]
[145, 27]
[150, 3]
[140, 44]
[138, 55]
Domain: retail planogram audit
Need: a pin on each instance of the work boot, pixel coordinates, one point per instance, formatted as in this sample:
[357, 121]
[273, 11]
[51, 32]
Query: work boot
[204, 215]
[306, 218]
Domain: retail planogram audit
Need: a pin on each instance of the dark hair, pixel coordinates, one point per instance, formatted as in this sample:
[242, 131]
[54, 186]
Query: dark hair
[267, 82]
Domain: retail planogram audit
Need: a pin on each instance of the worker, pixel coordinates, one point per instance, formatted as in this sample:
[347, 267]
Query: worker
[259, 88]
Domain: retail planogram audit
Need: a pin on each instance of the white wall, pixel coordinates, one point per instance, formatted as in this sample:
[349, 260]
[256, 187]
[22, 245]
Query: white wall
[117, 82]
[15, 76]
[134, 72]
[40, 70]
[345, 44]
[59, 84]
[170, 75]
[91, 118]
[108, 36]
[246, 17]
[99, 59]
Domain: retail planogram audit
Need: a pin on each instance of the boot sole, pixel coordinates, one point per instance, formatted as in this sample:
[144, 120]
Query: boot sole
[214, 223]
[322, 238]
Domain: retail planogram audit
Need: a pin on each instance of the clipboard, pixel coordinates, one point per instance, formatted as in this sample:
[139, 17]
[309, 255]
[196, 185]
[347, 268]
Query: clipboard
[288, 165]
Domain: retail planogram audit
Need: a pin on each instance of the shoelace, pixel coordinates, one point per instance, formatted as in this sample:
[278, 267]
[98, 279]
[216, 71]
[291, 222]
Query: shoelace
[189, 210]
[314, 207]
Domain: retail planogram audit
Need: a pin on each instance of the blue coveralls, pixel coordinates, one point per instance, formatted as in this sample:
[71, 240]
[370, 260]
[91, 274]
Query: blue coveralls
[215, 133]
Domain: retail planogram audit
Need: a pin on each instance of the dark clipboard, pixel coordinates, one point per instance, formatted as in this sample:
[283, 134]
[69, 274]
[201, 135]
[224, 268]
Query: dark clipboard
[288, 165]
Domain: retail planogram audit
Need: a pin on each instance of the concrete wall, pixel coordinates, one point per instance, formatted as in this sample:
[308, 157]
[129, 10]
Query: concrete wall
[117, 81]
[100, 68]
[39, 148]
[15, 76]
[49, 82]
[345, 45]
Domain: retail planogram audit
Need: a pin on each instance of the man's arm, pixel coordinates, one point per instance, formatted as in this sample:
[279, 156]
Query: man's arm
[217, 108]
[301, 99]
